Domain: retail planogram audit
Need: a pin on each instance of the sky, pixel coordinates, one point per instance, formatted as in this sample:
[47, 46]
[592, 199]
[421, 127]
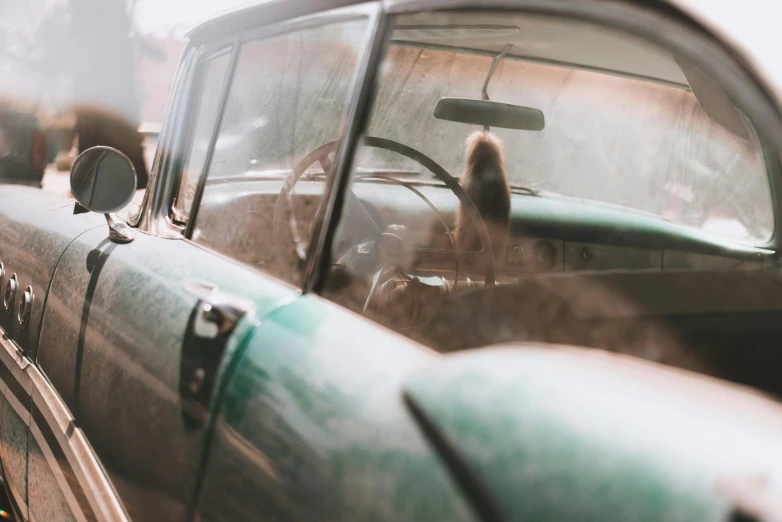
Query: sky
[163, 18]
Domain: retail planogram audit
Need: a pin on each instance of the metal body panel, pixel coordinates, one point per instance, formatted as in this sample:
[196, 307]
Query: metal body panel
[548, 422]
[112, 345]
[47, 486]
[35, 229]
[314, 428]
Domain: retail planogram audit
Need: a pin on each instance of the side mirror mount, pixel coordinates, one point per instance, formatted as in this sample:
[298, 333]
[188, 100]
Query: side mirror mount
[103, 180]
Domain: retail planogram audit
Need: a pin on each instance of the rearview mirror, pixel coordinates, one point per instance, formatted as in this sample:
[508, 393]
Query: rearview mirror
[487, 113]
[103, 180]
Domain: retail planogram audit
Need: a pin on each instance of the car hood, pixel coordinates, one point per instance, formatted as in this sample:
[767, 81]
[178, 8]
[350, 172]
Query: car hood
[555, 433]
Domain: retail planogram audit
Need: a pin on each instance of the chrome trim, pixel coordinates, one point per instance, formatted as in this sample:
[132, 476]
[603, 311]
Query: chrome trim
[154, 207]
[119, 231]
[206, 54]
[25, 307]
[92, 479]
[269, 12]
[227, 81]
[97, 487]
[218, 312]
[9, 295]
[323, 17]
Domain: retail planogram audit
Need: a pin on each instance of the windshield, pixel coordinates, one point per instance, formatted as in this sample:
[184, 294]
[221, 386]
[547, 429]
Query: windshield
[613, 137]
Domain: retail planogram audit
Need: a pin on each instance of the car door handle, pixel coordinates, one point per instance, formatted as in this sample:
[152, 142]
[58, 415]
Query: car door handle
[212, 321]
[217, 312]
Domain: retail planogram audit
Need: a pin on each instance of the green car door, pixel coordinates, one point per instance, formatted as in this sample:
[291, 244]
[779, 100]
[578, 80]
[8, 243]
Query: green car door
[138, 337]
[121, 346]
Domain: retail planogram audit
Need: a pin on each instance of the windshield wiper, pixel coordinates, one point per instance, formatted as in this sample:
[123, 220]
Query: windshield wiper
[521, 189]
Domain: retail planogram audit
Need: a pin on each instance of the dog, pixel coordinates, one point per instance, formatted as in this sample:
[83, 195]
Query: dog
[486, 182]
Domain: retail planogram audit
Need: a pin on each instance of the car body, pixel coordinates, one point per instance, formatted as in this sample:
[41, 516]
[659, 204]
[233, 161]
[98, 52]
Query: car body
[286, 329]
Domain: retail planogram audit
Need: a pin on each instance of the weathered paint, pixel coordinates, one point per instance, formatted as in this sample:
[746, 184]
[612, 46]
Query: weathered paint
[35, 229]
[313, 426]
[112, 345]
[548, 434]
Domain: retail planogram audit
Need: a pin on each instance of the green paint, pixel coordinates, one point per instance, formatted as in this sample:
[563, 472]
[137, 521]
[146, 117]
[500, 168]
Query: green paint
[570, 435]
[328, 420]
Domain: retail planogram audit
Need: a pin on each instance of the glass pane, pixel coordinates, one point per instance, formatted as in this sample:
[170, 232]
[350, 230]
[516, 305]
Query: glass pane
[285, 109]
[212, 77]
[619, 140]
[605, 195]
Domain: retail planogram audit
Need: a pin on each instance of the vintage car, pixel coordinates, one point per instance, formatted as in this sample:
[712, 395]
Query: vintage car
[416, 260]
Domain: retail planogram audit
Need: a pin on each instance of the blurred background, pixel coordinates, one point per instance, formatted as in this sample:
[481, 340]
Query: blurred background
[80, 73]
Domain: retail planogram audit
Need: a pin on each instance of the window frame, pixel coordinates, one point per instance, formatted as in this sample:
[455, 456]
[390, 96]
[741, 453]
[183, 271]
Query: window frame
[664, 26]
[312, 21]
[205, 54]
[158, 219]
[156, 213]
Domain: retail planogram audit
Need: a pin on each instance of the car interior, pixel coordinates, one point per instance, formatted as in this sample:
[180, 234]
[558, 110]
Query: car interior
[625, 204]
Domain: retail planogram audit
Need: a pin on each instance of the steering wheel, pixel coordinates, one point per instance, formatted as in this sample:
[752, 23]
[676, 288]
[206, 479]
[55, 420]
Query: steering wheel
[321, 154]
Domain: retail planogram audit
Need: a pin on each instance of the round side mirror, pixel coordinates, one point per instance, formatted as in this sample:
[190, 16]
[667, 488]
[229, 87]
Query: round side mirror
[103, 180]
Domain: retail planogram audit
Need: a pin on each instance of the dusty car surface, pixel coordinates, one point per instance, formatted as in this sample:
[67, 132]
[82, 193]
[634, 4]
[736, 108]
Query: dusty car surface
[414, 260]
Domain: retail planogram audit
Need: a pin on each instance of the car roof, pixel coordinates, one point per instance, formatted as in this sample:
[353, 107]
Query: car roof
[748, 26]
[254, 13]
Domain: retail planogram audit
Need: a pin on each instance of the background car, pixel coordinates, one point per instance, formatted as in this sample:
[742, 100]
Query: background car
[23, 149]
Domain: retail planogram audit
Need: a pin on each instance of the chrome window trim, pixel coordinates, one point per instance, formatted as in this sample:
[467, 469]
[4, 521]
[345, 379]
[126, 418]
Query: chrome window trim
[154, 207]
[205, 55]
[323, 18]
[155, 213]
[367, 10]
[227, 81]
[264, 13]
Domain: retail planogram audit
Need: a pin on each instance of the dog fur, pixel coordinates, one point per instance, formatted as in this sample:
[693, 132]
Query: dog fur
[486, 182]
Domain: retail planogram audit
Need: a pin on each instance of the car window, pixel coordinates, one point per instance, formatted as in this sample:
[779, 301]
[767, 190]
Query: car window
[619, 138]
[287, 99]
[619, 141]
[530, 178]
[207, 94]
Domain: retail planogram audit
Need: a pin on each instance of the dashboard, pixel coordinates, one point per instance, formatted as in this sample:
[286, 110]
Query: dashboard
[546, 235]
